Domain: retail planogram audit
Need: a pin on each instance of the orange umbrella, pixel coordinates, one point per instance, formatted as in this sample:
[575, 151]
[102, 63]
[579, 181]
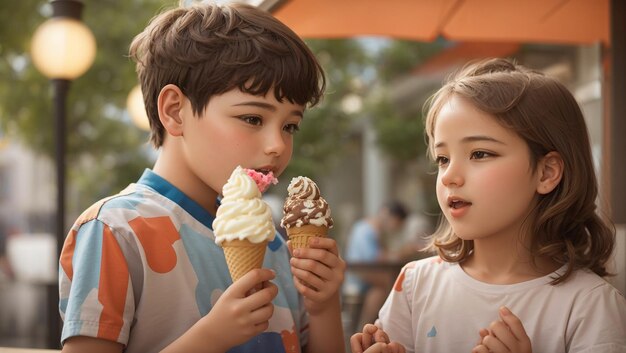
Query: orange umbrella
[537, 21]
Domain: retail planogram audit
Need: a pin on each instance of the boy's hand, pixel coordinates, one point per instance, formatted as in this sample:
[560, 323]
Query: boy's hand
[373, 340]
[318, 272]
[238, 315]
[505, 335]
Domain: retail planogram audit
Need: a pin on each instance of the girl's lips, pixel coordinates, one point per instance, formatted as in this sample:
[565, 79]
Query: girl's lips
[458, 206]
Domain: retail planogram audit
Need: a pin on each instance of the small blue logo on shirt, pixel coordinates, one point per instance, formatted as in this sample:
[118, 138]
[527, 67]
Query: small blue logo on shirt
[432, 332]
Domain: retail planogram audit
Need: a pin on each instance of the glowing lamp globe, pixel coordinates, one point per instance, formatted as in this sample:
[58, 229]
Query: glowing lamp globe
[137, 109]
[63, 48]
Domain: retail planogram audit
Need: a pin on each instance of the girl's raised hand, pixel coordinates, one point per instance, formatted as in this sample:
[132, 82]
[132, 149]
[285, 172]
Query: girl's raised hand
[504, 336]
[373, 340]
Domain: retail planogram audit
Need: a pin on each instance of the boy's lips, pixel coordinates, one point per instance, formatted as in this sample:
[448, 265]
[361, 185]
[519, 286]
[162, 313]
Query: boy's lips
[265, 170]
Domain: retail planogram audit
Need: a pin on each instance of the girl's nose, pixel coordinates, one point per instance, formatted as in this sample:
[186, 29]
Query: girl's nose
[452, 175]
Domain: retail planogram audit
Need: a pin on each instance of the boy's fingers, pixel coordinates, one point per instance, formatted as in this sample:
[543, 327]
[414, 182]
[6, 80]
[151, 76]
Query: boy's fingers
[251, 280]
[262, 297]
[324, 243]
[514, 323]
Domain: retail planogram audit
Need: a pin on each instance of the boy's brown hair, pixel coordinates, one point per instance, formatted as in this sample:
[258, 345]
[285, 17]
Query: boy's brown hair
[564, 225]
[208, 49]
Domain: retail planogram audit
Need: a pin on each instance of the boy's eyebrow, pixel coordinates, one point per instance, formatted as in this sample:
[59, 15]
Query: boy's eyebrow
[267, 106]
[468, 139]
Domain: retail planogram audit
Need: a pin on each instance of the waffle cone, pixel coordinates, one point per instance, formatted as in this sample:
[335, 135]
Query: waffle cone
[243, 256]
[299, 236]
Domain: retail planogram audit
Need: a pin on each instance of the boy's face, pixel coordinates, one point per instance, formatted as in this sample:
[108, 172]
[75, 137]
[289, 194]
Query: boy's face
[237, 128]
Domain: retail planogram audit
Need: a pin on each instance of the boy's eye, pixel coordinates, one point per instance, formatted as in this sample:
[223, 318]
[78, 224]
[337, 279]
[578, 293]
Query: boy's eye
[251, 119]
[479, 155]
[292, 128]
[441, 160]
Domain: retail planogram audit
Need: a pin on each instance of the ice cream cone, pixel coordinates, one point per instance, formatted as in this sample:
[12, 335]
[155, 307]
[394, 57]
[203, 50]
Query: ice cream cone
[299, 236]
[242, 256]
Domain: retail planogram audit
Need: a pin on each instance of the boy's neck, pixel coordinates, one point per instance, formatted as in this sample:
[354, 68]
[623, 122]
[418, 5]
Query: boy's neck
[170, 167]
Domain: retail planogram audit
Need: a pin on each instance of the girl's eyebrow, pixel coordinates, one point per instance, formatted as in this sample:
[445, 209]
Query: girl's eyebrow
[469, 139]
[266, 106]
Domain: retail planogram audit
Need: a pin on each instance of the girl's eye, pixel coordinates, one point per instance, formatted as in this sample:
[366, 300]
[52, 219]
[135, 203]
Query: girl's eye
[441, 160]
[292, 128]
[480, 155]
[252, 120]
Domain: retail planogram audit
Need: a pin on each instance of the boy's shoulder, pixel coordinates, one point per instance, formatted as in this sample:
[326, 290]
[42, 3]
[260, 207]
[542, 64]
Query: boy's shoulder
[125, 196]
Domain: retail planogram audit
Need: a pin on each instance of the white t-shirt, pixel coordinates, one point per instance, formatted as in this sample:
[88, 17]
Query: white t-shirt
[435, 307]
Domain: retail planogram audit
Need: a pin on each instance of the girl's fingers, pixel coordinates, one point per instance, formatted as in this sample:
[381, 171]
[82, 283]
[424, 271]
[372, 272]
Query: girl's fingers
[480, 349]
[368, 335]
[494, 344]
[396, 347]
[501, 331]
[514, 324]
[381, 336]
[355, 343]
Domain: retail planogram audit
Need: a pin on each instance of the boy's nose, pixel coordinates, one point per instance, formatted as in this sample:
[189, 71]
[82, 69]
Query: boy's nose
[274, 143]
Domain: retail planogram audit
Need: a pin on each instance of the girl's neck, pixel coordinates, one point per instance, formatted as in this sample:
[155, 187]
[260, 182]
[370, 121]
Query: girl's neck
[505, 261]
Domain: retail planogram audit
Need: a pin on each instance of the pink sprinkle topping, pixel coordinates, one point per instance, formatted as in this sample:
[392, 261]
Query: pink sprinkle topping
[262, 180]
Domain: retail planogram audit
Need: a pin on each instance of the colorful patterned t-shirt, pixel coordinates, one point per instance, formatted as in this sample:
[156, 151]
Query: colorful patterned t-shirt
[141, 267]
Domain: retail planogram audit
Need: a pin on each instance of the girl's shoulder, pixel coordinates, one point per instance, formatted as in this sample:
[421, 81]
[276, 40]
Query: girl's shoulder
[425, 271]
[431, 264]
[588, 283]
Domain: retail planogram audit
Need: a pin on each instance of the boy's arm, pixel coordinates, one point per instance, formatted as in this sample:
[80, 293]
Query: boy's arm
[318, 274]
[325, 329]
[80, 344]
[240, 313]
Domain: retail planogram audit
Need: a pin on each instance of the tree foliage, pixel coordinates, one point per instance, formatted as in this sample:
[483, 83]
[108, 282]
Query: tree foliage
[100, 136]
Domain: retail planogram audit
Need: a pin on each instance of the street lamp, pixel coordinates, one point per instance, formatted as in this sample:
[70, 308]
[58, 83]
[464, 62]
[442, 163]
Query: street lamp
[63, 48]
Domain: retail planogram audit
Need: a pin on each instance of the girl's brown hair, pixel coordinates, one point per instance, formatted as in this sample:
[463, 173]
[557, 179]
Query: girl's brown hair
[564, 224]
[207, 49]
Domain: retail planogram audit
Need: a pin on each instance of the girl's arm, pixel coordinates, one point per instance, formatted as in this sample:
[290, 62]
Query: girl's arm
[318, 274]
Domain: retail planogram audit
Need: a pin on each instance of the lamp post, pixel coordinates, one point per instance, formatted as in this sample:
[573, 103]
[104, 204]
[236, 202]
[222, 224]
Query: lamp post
[63, 48]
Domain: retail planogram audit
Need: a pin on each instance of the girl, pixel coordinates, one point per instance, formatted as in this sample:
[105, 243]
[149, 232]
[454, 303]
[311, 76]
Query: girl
[521, 249]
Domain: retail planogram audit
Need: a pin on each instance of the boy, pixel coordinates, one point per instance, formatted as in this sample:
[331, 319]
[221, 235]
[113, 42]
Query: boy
[140, 271]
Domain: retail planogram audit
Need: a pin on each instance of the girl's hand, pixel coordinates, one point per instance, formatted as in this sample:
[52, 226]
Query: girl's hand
[393, 347]
[318, 272]
[373, 340]
[504, 336]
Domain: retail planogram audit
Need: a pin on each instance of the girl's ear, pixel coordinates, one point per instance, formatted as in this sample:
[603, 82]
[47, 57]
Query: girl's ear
[170, 104]
[550, 172]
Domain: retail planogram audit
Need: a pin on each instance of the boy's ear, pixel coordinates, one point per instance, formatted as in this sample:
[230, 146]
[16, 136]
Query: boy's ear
[170, 104]
[550, 172]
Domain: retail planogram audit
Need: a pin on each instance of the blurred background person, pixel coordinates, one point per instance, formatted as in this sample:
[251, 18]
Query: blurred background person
[365, 244]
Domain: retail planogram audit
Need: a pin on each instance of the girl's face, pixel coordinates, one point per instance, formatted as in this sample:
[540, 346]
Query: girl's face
[485, 183]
